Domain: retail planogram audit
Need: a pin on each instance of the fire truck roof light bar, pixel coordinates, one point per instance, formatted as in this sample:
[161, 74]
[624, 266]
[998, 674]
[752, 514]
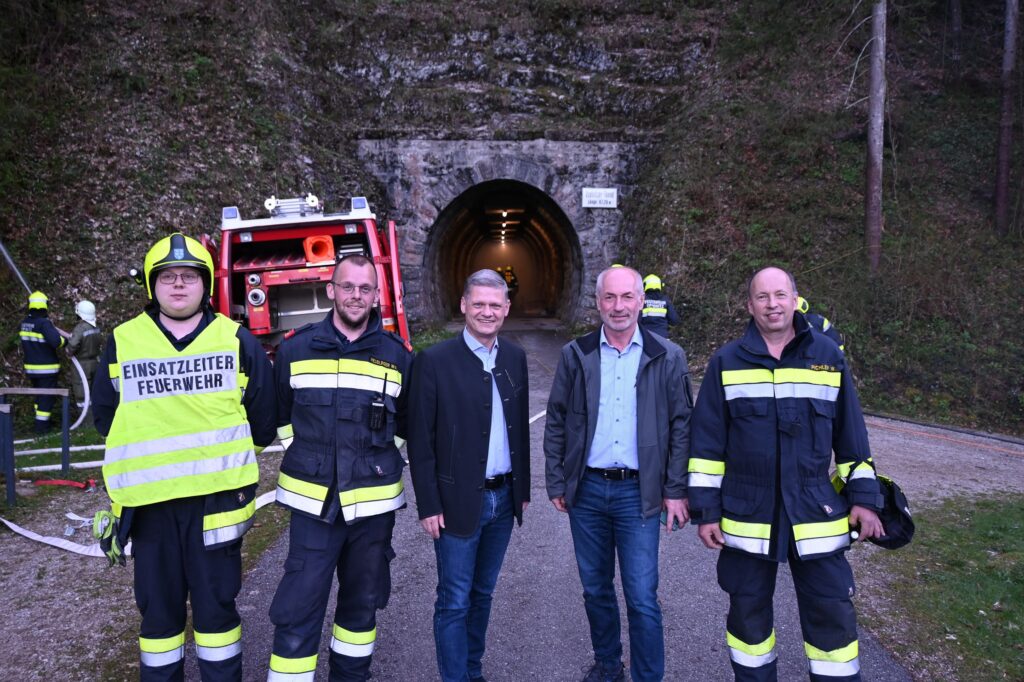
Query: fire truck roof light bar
[299, 209]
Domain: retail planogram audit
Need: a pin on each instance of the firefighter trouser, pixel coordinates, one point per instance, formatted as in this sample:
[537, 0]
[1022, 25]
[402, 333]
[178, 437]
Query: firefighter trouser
[360, 554]
[172, 565]
[89, 368]
[824, 588]
[43, 403]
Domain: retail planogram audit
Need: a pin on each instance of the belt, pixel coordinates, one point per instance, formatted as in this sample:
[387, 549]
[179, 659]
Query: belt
[615, 474]
[499, 481]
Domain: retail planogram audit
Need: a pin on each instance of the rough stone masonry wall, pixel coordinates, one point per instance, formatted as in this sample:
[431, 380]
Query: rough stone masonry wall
[423, 177]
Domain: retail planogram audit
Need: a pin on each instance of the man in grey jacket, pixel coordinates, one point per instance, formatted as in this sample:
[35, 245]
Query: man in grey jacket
[615, 446]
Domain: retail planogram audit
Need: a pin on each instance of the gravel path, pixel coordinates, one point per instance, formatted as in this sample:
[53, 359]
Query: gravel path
[60, 608]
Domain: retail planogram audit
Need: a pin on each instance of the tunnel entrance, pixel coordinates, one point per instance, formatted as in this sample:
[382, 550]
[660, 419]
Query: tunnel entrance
[506, 224]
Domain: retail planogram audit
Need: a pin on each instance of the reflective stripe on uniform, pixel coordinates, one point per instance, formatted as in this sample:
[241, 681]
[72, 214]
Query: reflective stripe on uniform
[301, 495]
[751, 655]
[373, 500]
[32, 337]
[354, 644]
[346, 373]
[158, 446]
[783, 383]
[291, 669]
[42, 369]
[705, 473]
[749, 537]
[219, 646]
[227, 526]
[159, 652]
[181, 470]
[747, 383]
[655, 312]
[863, 470]
[842, 662]
[821, 538]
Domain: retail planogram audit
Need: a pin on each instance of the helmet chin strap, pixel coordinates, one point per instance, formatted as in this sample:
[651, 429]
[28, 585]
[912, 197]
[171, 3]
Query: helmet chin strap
[181, 318]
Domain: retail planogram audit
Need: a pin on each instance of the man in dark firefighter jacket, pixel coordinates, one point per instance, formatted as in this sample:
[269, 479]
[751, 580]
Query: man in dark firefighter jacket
[773, 406]
[342, 387]
[658, 313]
[469, 456]
[820, 323]
[185, 398]
[40, 340]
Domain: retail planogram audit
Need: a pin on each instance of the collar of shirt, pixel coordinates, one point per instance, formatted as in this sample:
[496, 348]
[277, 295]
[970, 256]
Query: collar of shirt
[637, 340]
[486, 355]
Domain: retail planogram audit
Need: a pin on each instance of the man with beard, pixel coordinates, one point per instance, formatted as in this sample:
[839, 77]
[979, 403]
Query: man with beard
[185, 398]
[342, 402]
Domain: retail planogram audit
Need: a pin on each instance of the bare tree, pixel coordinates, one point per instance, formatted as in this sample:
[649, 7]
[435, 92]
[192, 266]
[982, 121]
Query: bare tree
[1004, 149]
[956, 39]
[876, 132]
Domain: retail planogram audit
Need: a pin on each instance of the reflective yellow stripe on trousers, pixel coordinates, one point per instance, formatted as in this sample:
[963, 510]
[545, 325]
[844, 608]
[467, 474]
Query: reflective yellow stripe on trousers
[159, 652]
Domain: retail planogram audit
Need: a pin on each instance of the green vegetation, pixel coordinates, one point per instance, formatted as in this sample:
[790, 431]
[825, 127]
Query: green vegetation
[428, 336]
[773, 174]
[958, 590]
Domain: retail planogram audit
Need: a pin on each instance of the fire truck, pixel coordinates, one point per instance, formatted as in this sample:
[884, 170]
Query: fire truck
[271, 273]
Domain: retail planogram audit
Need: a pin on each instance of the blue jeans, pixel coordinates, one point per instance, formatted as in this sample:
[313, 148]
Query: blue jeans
[467, 571]
[606, 517]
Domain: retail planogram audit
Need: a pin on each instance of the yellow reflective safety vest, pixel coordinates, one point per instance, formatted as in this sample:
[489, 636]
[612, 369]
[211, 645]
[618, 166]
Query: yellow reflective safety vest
[762, 435]
[180, 428]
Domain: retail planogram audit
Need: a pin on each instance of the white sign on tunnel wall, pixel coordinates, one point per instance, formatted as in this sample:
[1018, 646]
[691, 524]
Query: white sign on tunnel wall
[600, 197]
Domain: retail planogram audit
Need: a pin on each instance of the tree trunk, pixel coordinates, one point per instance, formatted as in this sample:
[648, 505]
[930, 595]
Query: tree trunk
[956, 39]
[1004, 151]
[876, 130]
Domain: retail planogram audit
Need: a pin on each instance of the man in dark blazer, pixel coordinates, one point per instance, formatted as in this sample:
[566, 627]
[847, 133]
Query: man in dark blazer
[469, 456]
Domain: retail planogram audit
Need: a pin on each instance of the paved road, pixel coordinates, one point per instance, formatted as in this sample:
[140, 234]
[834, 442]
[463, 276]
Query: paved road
[538, 626]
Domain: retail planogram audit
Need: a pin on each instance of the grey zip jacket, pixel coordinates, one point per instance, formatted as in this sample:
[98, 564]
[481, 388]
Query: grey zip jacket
[664, 400]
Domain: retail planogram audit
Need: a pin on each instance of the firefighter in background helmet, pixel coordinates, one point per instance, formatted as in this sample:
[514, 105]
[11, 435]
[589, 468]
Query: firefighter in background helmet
[185, 398]
[658, 312]
[820, 323]
[85, 344]
[40, 340]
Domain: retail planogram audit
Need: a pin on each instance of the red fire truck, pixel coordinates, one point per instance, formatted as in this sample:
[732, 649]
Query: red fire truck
[271, 272]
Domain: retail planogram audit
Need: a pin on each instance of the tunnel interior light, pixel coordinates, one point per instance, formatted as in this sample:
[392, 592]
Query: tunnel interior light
[504, 214]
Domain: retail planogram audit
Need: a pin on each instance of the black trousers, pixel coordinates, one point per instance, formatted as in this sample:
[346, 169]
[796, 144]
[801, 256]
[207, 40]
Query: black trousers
[44, 403]
[171, 566]
[359, 553]
[824, 591]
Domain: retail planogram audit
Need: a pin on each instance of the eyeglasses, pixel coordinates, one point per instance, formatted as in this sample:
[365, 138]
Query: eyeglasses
[172, 277]
[348, 288]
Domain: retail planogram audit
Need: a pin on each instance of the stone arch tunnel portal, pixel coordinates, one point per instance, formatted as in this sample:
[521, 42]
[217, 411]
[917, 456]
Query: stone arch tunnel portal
[501, 224]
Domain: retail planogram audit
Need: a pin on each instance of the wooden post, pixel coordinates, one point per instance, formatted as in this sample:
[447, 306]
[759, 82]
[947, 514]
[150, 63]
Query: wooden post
[7, 450]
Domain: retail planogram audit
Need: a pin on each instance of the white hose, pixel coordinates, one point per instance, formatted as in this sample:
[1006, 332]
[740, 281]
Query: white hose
[85, 389]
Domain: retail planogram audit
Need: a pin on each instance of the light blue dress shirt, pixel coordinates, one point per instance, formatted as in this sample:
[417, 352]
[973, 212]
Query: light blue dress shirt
[614, 445]
[498, 459]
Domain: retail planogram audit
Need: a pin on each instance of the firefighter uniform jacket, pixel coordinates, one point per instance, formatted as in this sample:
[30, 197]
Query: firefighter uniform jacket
[39, 342]
[341, 404]
[658, 312]
[195, 408]
[763, 433]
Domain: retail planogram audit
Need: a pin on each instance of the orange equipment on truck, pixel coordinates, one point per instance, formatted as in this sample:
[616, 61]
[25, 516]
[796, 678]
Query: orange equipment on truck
[271, 273]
